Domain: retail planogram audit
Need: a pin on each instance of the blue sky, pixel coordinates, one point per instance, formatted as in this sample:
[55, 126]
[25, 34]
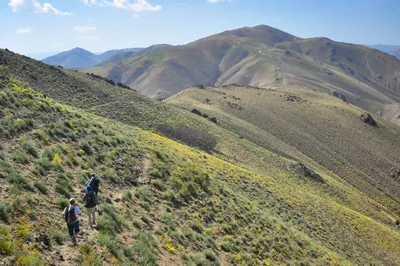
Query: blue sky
[35, 26]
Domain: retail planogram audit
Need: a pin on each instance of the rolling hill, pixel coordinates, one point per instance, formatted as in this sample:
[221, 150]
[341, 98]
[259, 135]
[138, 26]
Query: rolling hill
[110, 53]
[242, 180]
[75, 58]
[129, 54]
[260, 56]
[81, 58]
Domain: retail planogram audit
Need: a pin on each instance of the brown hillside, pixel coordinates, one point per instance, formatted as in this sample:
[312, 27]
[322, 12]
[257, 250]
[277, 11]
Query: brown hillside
[260, 56]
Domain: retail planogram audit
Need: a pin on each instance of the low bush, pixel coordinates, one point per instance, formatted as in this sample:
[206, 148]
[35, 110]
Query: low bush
[40, 187]
[144, 193]
[6, 244]
[58, 237]
[33, 215]
[111, 244]
[146, 246]
[110, 222]
[137, 224]
[43, 165]
[159, 185]
[30, 148]
[210, 255]
[19, 181]
[62, 203]
[127, 195]
[20, 157]
[5, 212]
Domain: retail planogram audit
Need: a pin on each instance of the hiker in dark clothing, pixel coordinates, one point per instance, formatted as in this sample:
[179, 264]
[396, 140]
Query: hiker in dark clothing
[94, 182]
[91, 200]
[71, 218]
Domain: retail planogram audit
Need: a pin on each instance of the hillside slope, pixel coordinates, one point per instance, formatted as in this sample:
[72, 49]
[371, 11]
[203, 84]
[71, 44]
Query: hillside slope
[181, 196]
[110, 53]
[328, 130]
[75, 58]
[129, 54]
[181, 202]
[396, 53]
[260, 56]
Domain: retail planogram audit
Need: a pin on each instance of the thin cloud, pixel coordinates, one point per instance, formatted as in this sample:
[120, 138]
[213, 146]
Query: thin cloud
[21, 31]
[135, 6]
[89, 38]
[84, 28]
[218, 1]
[33, 6]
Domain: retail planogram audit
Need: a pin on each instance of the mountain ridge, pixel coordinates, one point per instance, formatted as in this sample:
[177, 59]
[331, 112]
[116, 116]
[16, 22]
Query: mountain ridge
[81, 58]
[74, 58]
[260, 56]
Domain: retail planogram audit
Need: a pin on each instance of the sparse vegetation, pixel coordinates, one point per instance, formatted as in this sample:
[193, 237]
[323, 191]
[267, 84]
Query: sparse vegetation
[199, 208]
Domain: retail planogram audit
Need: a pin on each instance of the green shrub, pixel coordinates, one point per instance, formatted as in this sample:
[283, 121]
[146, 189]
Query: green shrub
[86, 148]
[198, 260]
[137, 224]
[63, 203]
[18, 206]
[110, 222]
[159, 185]
[30, 148]
[146, 246]
[127, 195]
[43, 165]
[111, 244]
[6, 244]
[30, 259]
[144, 193]
[19, 181]
[40, 187]
[226, 246]
[5, 212]
[210, 255]
[63, 190]
[33, 215]
[30, 200]
[58, 237]
[145, 219]
[20, 157]
[89, 256]
[42, 136]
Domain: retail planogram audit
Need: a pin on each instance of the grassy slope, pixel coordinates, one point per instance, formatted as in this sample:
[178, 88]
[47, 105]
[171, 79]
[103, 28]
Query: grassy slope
[324, 128]
[332, 215]
[180, 204]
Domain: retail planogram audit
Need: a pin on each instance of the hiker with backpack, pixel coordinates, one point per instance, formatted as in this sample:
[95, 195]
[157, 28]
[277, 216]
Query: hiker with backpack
[71, 218]
[94, 182]
[91, 201]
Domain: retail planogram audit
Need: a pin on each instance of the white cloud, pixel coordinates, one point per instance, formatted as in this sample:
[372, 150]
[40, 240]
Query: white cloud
[23, 31]
[84, 28]
[34, 6]
[135, 6]
[218, 1]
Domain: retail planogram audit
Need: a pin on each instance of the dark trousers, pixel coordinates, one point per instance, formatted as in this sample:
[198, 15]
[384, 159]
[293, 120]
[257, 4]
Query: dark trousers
[73, 229]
